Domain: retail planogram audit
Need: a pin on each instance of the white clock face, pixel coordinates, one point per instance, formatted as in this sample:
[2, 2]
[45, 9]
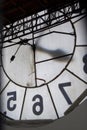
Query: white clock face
[32, 68]
[43, 77]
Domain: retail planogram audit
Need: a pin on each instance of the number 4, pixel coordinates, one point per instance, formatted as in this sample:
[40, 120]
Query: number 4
[61, 87]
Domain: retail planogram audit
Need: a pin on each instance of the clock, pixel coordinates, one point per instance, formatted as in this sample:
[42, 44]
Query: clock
[43, 74]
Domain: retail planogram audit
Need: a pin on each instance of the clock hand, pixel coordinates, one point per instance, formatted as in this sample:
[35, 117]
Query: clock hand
[21, 42]
[15, 43]
[57, 53]
[24, 42]
[13, 56]
[54, 53]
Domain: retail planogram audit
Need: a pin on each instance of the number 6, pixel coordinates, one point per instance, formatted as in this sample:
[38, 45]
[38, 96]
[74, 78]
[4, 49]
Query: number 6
[39, 103]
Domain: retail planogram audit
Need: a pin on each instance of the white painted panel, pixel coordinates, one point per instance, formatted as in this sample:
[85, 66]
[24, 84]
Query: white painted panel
[11, 101]
[42, 104]
[3, 79]
[79, 62]
[21, 69]
[73, 89]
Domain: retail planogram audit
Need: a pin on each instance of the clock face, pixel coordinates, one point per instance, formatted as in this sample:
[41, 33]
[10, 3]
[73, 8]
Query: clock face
[42, 77]
[41, 61]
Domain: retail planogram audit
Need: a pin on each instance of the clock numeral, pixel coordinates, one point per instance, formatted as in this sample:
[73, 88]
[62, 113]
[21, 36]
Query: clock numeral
[38, 106]
[12, 97]
[85, 62]
[61, 87]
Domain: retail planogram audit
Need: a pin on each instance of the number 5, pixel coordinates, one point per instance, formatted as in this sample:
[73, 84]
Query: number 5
[10, 99]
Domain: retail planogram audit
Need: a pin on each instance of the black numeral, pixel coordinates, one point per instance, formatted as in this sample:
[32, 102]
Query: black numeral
[85, 62]
[61, 87]
[12, 97]
[38, 106]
